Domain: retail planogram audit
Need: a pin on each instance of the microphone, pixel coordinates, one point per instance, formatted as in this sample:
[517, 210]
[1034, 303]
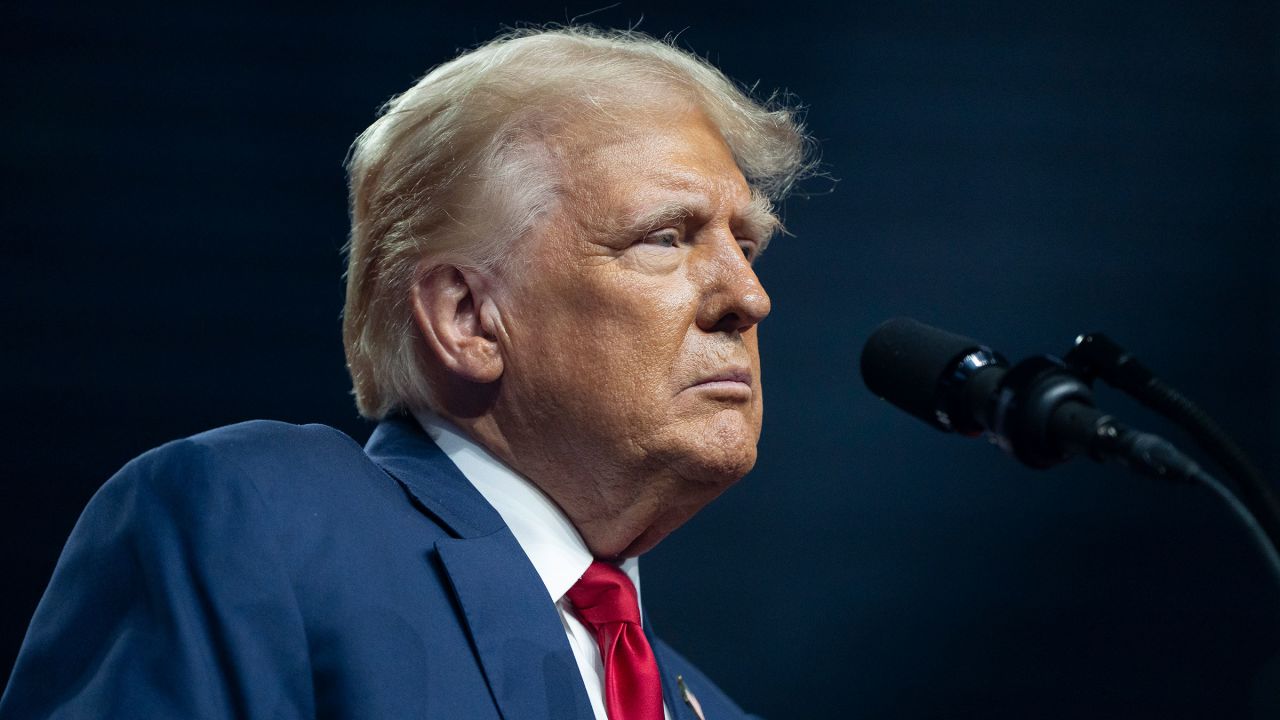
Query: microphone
[940, 377]
[1039, 410]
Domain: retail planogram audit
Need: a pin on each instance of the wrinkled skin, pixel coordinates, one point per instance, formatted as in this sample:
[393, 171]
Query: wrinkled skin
[621, 373]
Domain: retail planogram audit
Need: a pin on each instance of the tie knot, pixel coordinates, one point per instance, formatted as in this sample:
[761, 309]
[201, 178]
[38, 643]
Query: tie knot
[603, 595]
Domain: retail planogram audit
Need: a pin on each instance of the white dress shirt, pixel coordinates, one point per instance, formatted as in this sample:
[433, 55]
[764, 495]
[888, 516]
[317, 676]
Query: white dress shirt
[546, 535]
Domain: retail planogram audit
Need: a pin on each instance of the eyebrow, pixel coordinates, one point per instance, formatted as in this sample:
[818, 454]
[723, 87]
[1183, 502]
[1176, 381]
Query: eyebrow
[756, 220]
[759, 221]
[655, 217]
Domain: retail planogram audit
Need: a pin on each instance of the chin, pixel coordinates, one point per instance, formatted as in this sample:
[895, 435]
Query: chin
[725, 452]
[728, 466]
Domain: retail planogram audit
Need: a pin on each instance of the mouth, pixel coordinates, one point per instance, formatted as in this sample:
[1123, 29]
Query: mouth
[731, 375]
[732, 381]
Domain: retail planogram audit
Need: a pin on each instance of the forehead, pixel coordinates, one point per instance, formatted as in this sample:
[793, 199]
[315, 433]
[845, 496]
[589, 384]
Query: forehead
[655, 156]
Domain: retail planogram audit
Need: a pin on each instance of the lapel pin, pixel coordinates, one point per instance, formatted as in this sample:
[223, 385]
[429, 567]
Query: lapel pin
[689, 698]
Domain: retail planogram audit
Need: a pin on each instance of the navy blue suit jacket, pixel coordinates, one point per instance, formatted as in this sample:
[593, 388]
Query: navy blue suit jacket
[267, 570]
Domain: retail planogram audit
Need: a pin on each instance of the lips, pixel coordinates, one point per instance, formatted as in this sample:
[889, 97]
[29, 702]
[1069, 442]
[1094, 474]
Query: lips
[727, 375]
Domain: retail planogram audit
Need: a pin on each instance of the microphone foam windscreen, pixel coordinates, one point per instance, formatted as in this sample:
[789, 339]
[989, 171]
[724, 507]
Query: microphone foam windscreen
[904, 362]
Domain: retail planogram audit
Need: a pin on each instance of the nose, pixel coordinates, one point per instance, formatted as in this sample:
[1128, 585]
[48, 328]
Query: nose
[733, 298]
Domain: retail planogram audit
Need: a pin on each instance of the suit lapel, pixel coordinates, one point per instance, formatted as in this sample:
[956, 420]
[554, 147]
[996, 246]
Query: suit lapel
[403, 450]
[513, 624]
[516, 629]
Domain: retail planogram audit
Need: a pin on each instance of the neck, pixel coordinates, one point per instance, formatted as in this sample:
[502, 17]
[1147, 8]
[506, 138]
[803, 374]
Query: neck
[618, 514]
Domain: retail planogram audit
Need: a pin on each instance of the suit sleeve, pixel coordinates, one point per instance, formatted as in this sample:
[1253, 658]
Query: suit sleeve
[170, 600]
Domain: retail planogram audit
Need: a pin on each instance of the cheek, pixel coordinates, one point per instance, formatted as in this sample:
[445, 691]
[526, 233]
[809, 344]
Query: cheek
[605, 350]
[636, 326]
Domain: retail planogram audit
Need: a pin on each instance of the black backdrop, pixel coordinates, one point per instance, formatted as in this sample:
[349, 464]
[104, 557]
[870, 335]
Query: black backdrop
[173, 210]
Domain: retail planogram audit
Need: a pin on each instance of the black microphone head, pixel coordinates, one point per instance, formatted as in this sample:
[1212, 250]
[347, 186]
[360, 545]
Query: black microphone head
[908, 363]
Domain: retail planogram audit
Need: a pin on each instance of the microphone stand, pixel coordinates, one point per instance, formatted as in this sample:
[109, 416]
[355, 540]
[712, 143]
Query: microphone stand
[1145, 453]
[1041, 411]
[1097, 356]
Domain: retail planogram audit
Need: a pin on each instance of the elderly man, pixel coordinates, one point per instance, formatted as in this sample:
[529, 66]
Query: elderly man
[551, 310]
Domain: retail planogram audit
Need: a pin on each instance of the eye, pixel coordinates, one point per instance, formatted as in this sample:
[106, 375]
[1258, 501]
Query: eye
[667, 238]
[748, 249]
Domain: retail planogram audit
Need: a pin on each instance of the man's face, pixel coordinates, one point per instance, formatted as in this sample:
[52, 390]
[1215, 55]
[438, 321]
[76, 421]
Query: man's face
[630, 343]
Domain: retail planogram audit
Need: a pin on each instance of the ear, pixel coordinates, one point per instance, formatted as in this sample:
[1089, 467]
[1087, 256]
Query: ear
[451, 310]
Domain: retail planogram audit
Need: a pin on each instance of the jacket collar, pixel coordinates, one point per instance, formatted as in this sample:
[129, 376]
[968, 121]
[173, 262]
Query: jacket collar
[400, 447]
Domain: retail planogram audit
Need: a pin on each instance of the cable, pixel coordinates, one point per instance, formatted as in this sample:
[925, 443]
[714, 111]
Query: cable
[1152, 455]
[1097, 356]
[1255, 529]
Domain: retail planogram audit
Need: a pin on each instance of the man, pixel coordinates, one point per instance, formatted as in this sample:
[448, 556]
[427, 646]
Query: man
[551, 311]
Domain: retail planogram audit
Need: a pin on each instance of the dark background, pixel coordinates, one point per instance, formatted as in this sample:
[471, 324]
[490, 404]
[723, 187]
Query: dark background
[174, 205]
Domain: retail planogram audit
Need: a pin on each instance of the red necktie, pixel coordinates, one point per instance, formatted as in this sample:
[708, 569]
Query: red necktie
[605, 601]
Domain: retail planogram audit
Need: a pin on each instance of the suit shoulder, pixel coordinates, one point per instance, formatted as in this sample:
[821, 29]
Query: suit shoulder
[242, 459]
[279, 488]
[264, 439]
[254, 439]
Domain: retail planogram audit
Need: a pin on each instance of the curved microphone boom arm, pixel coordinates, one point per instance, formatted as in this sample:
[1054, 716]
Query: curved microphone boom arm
[1042, 411]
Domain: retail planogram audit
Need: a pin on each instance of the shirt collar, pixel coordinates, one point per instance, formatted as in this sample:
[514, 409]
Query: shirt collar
[543, 531]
